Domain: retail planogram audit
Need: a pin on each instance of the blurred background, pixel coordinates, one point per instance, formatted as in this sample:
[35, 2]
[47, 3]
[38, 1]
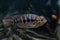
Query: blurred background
[39, 7]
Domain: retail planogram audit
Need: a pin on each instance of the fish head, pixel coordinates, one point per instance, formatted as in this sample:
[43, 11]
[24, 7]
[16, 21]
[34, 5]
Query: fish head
[41, 21]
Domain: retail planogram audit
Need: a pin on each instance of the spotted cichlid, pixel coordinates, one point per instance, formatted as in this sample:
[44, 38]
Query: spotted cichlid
[25, 20]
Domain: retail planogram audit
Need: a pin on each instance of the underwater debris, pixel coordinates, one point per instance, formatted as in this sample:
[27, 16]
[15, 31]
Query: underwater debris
[54, 16]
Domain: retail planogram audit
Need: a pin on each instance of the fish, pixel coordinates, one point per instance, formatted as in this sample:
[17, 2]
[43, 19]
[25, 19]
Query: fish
[25, 21]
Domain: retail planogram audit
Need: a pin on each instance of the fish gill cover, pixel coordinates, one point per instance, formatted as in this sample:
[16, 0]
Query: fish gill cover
[46, 8]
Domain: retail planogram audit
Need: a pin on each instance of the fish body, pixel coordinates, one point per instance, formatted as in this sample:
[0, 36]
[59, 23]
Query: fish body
[25, 20]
